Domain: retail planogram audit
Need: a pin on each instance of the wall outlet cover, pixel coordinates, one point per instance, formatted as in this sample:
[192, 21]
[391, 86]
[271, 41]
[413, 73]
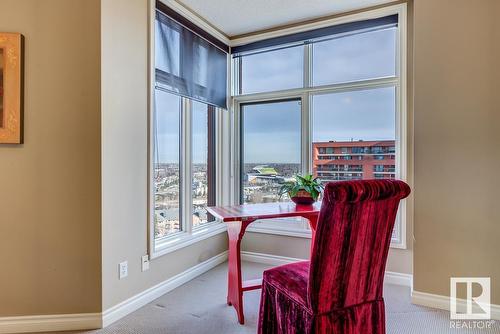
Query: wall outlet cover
[123, 270]
[145, 262]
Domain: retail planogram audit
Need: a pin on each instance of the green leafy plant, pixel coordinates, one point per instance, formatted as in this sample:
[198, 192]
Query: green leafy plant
[307, 183]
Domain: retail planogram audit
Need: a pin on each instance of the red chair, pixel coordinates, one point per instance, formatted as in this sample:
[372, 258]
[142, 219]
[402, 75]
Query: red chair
[340, 289]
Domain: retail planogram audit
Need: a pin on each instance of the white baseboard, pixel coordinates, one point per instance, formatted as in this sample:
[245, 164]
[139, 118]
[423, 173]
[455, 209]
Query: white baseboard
[50, 323]
[67, 322]
[132, 304]
[395, 278]
[443, 302]
[276, 260]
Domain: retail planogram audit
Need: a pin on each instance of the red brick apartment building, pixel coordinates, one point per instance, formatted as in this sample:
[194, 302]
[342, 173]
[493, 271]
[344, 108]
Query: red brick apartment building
[354, 160]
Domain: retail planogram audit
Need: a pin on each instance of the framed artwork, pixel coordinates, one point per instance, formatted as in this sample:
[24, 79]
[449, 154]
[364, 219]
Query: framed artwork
[11, 88]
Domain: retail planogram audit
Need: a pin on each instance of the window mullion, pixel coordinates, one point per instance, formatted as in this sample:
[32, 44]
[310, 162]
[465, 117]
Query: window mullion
[186, 158]
[308, 49]
[306, 111]
[237, 153]
[212, 156]
[306, 135]
[236, 76]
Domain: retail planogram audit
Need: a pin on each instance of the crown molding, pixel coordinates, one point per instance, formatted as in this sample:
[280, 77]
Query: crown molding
[197, 19]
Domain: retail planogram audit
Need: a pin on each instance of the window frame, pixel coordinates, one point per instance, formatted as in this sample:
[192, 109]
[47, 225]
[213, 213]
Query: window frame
[241, 142]
[399, 82]
[188, 236]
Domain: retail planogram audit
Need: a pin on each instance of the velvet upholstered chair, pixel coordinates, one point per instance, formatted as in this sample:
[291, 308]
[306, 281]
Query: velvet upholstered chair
[340, 289]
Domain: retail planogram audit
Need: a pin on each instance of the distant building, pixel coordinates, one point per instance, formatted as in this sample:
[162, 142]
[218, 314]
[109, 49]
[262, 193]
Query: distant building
[263, 173]
[354, 160]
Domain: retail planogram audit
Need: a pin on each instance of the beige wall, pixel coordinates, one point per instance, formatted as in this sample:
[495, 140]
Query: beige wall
[457, 136]
[124, 159]
[50, 186]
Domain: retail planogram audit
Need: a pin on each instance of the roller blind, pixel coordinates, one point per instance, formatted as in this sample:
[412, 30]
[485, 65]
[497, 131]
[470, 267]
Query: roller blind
[316, 34]
[187, 64]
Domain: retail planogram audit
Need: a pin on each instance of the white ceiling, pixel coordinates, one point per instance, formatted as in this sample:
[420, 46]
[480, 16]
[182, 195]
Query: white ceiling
[235, 17]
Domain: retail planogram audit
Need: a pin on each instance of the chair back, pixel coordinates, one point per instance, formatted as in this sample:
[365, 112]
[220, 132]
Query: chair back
[352, 242]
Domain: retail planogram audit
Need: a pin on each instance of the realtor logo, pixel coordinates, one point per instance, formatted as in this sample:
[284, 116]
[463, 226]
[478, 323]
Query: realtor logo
[475, 306]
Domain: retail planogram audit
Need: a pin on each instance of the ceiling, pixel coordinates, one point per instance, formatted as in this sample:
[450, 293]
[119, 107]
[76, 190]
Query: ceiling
[236, 17]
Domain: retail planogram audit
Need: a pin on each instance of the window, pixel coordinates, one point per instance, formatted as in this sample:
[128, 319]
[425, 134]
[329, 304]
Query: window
[348, 118]
[203, 167]
[271, 148]
[357, 150]
[190, 89]
[167, 174]
[273, 70]
[344, 118]
[184, 177]
[355, 57]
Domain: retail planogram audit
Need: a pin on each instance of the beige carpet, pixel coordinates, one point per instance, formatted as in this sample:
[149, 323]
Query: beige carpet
[199, 306]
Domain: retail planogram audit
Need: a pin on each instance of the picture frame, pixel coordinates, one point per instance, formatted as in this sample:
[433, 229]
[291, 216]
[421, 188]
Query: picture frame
[11, 88]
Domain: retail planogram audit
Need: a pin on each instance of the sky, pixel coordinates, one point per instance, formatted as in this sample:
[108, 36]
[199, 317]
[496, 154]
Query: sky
[272, 130]
[168, 122]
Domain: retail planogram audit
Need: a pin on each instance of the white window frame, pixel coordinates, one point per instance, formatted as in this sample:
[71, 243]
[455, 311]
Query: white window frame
[306, 93]
[188, 235]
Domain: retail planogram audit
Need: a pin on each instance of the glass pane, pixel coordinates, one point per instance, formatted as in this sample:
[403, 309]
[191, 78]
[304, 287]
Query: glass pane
[271, 144]
[354, 135]
[166, 163]
[203, 173]
[356, 57]
[273, 70]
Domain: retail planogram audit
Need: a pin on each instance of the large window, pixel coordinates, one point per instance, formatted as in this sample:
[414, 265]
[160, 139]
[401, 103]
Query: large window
[332, 107]
[190, 90]
[271, 148]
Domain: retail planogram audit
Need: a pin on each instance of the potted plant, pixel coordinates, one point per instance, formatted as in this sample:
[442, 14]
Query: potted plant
[304, 190]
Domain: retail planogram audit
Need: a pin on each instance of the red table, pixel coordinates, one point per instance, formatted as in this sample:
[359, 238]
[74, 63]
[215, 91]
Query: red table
[238, 218]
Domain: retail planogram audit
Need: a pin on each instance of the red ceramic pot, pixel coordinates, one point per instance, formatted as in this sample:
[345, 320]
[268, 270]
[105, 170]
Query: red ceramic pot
[302, 198]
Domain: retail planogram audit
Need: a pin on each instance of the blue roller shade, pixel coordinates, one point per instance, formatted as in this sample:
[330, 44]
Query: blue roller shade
[189, 65]
[311, 35]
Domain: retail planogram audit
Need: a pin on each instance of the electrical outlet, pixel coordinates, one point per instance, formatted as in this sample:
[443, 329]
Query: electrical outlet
[145, 262]
[123, 270]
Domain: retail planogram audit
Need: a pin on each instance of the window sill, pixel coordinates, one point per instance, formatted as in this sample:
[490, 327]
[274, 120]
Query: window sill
[398, 245]
[298, 233]
[183, 239]
[301, 233]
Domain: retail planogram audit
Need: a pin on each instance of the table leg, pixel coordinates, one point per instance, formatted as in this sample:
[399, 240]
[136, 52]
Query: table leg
[235, 231]
[313, 222]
